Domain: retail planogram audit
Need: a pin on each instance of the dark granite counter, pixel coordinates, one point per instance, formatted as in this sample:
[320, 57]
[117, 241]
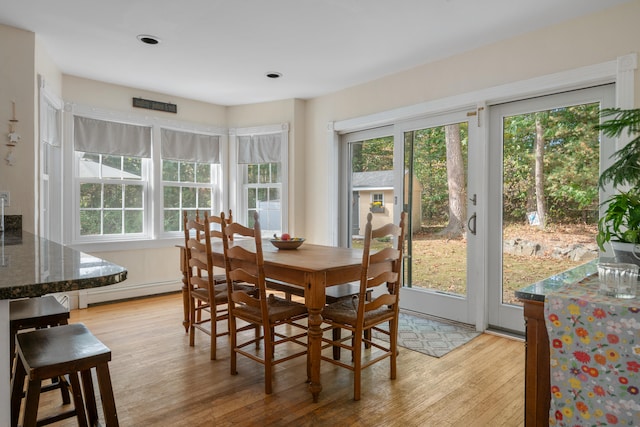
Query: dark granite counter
[537, 291]
[31, 266]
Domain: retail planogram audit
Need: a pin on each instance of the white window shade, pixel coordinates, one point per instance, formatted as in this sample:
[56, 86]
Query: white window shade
[102, 137]
[259, 148]
[50, 125]
[188, 146]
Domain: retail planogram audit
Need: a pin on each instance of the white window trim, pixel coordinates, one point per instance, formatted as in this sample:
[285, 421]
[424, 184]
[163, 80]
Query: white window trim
[235, 202]
[155, 237]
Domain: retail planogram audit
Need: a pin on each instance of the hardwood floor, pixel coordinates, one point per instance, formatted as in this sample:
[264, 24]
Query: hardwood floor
[159, 380]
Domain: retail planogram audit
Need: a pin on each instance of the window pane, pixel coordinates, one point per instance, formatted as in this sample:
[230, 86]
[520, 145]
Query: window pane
[252, 198]
[89, 166]
[204, 198]
[133, 167]
[262, 195]
[188, 197]
[203, 172]
[90, 196]
[275, 173]
[169, 170]
[171, 197]
[111, 166]
[112, 222]
[89, 223]
[133, 196]
[187, 172]
[274, 194]
[112, 196]
[172, 220]
[265, 175]
[133, 221]
[252, 174]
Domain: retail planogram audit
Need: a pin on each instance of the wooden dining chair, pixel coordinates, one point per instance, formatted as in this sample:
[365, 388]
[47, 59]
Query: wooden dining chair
[207, 295]
[380, 270]
[245, 263]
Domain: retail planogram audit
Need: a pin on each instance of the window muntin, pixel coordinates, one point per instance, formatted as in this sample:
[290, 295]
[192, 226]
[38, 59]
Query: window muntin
[111, 195]
[187, 187]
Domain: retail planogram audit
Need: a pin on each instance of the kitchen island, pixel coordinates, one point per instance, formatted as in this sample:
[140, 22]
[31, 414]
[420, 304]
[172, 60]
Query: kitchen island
[31, 266]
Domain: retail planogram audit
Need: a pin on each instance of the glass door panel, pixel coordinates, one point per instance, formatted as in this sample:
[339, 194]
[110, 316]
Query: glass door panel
[549, 157]
[436, 196]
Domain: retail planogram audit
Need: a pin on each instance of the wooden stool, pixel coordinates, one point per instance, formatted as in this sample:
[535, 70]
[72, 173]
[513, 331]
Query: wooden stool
[38, 313]
[55, 352]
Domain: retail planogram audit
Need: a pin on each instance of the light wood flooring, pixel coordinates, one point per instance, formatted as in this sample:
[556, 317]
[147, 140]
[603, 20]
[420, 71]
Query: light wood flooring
[160, 381]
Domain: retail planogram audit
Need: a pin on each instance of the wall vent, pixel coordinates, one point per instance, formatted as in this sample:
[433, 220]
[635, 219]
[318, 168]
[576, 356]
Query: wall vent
[155, 105]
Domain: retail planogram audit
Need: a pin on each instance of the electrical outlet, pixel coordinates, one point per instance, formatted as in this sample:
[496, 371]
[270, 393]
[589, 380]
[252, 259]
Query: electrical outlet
[6, 196]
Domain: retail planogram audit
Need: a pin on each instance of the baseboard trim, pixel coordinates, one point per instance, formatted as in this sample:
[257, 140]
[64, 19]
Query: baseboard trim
[102, 295]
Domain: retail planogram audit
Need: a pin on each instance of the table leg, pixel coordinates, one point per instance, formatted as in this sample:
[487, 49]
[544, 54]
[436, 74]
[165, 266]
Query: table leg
[315, 300]
[185, 284]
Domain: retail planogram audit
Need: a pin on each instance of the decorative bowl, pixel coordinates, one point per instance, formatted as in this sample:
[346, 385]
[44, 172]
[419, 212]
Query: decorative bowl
[288, 244]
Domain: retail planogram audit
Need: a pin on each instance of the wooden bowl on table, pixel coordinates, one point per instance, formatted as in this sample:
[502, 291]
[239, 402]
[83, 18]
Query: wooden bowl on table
[288, 244]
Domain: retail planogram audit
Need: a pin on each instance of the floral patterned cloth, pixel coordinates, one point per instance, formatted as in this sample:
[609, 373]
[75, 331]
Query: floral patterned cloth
[594, 343]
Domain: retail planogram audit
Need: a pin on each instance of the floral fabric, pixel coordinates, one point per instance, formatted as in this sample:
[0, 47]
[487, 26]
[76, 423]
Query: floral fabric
[594, 342]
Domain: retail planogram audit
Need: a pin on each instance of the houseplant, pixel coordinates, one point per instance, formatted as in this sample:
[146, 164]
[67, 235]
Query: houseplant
[620, 224]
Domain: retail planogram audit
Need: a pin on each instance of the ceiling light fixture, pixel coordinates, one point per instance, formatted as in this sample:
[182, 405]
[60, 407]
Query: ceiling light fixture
[273, 75]
[147, 39]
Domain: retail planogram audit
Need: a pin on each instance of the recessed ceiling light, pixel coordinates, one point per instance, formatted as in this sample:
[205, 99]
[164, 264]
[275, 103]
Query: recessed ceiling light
[147, 39]
[273, 75]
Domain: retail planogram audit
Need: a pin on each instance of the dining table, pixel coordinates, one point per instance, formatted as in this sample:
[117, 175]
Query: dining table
[312, 267]
[32, 266]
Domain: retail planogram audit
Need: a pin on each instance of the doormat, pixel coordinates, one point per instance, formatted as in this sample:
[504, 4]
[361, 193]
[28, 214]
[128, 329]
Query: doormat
[429, 335]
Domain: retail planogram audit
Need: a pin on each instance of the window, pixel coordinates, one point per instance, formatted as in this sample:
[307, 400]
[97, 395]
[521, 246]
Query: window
[261, 159]
[112, 161]
[190, 175]
[377, 199]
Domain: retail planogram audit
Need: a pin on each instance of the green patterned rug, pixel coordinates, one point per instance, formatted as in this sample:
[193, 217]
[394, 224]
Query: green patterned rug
[430, 335]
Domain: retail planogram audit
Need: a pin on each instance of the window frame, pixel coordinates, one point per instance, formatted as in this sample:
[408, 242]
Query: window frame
[238, 189]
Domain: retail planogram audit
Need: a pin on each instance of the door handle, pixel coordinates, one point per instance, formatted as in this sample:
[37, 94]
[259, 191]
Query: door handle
[471, 228]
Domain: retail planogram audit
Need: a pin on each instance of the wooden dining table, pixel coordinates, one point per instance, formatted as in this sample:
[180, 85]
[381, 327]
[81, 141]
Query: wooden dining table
[313, 267]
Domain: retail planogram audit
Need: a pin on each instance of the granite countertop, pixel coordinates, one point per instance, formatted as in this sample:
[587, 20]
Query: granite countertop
[538, 291]
[31, 266]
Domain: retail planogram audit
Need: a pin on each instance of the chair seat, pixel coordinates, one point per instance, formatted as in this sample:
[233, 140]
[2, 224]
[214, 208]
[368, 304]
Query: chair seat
[55, 351]
[36, 313]
[345, 311]
[279, 309]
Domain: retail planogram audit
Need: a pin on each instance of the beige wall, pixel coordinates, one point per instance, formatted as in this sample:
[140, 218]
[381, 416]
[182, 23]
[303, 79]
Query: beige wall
[17, 82]
[585, 41]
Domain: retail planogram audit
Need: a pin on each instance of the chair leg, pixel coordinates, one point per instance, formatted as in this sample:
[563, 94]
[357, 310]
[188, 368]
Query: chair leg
[106, 394]
[31, 403]
[393, 342]
[268, 359]
[89, 397]
[77, 399]
[17, 388]
[357, 365]
[214, 332]
[232, 345]
[336, 335]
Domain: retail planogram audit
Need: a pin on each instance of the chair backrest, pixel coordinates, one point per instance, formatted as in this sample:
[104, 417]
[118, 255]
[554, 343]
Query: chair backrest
[197, 240]
[382, 266]
[244, 262]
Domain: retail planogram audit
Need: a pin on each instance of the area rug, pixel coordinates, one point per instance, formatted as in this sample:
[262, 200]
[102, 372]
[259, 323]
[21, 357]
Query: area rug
[429, 335]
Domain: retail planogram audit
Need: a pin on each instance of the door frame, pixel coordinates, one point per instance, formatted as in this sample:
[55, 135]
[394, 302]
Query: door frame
[620, 70]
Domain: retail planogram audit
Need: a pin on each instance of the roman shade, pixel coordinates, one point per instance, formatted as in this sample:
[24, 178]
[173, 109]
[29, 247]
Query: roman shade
[188, 146]
[254, 149]
[102, 137]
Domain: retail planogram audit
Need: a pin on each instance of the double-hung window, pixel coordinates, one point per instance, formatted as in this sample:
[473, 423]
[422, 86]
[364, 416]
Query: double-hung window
[112, 162]
[261, 177]
[191, 174]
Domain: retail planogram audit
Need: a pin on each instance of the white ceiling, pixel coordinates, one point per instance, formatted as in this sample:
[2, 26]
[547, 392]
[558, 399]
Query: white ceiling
[218, 51]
